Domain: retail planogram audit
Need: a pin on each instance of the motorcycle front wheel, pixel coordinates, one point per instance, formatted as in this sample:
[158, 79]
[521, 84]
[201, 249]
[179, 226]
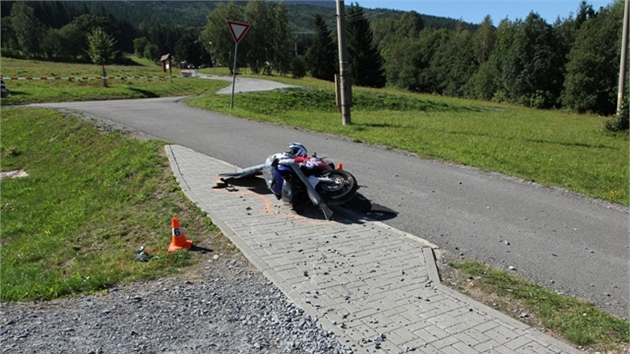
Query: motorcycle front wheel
[340, 190]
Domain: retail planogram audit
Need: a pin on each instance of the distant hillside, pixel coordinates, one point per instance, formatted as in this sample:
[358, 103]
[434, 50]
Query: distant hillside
[147, 14]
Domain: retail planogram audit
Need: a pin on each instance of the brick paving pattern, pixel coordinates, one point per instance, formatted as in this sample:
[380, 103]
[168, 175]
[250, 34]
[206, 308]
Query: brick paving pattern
[376, 288]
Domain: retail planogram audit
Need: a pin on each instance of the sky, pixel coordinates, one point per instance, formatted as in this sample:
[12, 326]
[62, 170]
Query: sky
[474, 11]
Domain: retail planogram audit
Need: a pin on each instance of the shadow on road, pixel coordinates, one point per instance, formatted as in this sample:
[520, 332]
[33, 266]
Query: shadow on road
[358, 210]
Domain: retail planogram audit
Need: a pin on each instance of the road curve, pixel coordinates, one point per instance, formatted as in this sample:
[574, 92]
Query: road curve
[566, 242]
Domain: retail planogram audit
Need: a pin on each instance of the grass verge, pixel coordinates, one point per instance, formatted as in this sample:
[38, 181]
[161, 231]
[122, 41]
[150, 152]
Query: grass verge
[91, 199]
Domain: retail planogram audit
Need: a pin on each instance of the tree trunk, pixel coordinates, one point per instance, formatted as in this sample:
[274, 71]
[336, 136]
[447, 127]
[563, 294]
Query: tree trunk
[104, 77]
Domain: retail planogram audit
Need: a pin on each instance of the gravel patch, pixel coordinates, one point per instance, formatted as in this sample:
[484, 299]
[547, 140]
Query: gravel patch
[220, 306]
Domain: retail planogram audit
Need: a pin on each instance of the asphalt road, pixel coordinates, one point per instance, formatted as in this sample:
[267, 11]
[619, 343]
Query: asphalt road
[566, 242]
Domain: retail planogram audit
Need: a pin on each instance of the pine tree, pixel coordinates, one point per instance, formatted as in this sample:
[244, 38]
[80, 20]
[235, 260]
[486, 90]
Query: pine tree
[366, 62]
[320, 57]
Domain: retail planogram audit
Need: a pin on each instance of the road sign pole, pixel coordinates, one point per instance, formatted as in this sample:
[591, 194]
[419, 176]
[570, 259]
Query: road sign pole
[234, 74]
[238, 30]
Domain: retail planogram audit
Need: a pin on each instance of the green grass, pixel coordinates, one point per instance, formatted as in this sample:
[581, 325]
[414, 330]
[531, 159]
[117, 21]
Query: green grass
[575, 320]
[91, 199]
[37, 91]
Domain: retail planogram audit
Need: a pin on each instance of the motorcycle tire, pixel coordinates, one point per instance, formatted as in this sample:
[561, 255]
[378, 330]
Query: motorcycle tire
[340, 192]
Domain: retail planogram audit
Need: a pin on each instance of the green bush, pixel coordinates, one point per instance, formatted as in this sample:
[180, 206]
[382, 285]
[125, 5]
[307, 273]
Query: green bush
[621, 121]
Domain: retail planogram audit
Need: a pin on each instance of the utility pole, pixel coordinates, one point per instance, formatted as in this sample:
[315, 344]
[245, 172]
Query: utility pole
[345, 98]
[624, 54]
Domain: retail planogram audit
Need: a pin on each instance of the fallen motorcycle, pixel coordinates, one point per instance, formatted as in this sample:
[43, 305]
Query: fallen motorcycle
[295, 177]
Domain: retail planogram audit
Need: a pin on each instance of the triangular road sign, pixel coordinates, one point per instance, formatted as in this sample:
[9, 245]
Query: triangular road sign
[238, 29]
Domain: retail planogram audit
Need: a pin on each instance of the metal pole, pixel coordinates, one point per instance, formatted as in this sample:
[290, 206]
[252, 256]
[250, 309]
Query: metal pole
[234, 75]
[623, 61]
[346, 88]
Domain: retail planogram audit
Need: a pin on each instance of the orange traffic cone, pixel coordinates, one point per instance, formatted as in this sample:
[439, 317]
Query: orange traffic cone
[340, 166]
[179, 240]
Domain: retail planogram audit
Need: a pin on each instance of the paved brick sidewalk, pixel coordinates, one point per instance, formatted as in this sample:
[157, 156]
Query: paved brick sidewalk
[375, 287]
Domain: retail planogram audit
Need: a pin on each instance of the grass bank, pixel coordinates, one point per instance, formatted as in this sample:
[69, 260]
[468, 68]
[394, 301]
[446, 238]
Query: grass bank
[91, 199]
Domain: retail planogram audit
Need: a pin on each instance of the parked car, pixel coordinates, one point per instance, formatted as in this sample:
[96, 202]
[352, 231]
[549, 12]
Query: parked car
[4, 89]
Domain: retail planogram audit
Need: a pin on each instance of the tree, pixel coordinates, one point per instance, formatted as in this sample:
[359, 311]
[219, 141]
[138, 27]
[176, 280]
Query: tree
[453, 63]
[50, 44]
[281, 37]
[388, 31]
[483, 83]
[320, 57]
[27, 29]
[409, 26]
[593, 66]
[400, 64]
[259, 52]
[383, 30]
[216, 36]
[101, 49]
[484, 39]
[490, 82]
[73, 37]
[72, 42]
[365, 61]
[138, 46]
[152, 52]
[269, 38]
[533, 67]
[298, 68]
[189, 49]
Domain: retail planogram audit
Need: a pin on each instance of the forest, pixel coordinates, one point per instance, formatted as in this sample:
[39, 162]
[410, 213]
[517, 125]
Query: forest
[570, 64]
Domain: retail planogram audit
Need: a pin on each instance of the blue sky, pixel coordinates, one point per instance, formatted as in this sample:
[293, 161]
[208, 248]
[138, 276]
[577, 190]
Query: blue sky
[474, 11]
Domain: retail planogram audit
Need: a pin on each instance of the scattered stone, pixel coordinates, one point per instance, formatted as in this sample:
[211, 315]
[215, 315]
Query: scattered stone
[239, 310]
